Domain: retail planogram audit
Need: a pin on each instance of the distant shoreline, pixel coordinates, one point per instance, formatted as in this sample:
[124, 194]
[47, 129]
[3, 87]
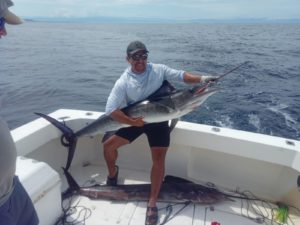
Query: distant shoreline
[111, 20]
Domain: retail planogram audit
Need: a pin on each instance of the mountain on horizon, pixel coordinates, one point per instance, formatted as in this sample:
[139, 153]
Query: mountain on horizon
[154, 20]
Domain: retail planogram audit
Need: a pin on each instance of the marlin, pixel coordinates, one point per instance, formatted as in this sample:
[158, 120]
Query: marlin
[173, 190]
[165, 104]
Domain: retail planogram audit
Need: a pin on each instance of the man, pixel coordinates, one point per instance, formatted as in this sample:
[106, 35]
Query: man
[16, 207]
[138, 81]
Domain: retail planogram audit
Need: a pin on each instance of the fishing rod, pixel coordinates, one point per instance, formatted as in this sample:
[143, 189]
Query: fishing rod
[218, 78]
[230, 71]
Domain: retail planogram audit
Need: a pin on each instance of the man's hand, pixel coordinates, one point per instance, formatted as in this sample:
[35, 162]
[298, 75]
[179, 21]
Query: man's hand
[207, 79]
[138, 121]
[121, 117]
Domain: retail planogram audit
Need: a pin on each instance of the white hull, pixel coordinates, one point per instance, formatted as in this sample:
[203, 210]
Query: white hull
[265, 165]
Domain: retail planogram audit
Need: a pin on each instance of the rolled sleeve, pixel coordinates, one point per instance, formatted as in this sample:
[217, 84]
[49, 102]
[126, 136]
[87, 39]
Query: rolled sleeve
[173, 74]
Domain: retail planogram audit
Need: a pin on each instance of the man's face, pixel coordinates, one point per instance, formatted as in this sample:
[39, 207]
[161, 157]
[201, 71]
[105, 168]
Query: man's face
[138, 61]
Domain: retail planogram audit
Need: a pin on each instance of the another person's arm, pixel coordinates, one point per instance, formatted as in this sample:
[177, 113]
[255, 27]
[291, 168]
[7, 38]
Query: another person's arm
[7, 16]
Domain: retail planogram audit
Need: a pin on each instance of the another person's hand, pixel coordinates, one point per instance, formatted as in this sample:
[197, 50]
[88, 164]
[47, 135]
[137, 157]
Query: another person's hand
[207, 79]
[2, 27]
[8, 17]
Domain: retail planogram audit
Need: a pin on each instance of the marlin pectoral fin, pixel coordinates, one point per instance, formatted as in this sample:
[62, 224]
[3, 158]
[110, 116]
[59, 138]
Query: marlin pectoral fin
[165, 89]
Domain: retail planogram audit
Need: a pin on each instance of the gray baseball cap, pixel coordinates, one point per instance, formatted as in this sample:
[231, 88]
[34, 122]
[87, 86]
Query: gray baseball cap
[136, 46]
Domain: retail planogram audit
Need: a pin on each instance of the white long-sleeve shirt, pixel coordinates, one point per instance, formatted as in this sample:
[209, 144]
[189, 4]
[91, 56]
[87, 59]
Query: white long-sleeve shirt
[131, 87]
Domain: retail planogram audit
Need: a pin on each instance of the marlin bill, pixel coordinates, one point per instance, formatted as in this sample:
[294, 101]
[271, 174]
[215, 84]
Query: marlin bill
[173, 189]
[165, 104]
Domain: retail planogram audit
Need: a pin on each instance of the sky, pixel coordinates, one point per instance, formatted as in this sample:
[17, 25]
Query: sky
[160, 9]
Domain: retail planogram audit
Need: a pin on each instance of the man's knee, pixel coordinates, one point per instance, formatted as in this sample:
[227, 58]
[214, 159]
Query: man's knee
[107, 145]
[159, 155]
[114, 142]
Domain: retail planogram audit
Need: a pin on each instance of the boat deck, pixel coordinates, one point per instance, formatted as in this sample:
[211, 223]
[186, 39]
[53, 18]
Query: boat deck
[92, 212]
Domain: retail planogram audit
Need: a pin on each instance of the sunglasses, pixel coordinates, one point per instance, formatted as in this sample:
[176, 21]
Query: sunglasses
[137, 57]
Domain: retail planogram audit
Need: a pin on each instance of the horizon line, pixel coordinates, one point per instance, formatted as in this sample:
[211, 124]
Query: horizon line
[108, 19]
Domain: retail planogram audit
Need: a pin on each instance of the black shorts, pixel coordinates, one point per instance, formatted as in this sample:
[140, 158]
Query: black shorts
[158, 134]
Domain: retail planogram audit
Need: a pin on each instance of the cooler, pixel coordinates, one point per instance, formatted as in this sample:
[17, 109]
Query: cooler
[43, 185]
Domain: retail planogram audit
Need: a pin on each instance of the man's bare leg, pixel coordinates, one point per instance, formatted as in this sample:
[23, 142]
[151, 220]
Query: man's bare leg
[157, 173]
[110, 152]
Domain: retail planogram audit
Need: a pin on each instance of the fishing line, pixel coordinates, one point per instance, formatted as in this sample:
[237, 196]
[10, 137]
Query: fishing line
[254, 208]
[169, 210]
[212, 208]
[235, 68]
[239, 196]
[265, 205]
[69, 210]
[263, 209]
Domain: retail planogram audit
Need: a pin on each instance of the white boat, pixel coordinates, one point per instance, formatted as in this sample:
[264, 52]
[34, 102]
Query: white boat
[232, 160]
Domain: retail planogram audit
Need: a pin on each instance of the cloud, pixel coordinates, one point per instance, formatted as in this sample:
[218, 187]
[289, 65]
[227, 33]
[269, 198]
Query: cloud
[172, 9]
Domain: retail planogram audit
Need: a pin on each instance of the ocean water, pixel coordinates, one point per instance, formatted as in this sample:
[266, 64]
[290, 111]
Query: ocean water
[48, 66]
